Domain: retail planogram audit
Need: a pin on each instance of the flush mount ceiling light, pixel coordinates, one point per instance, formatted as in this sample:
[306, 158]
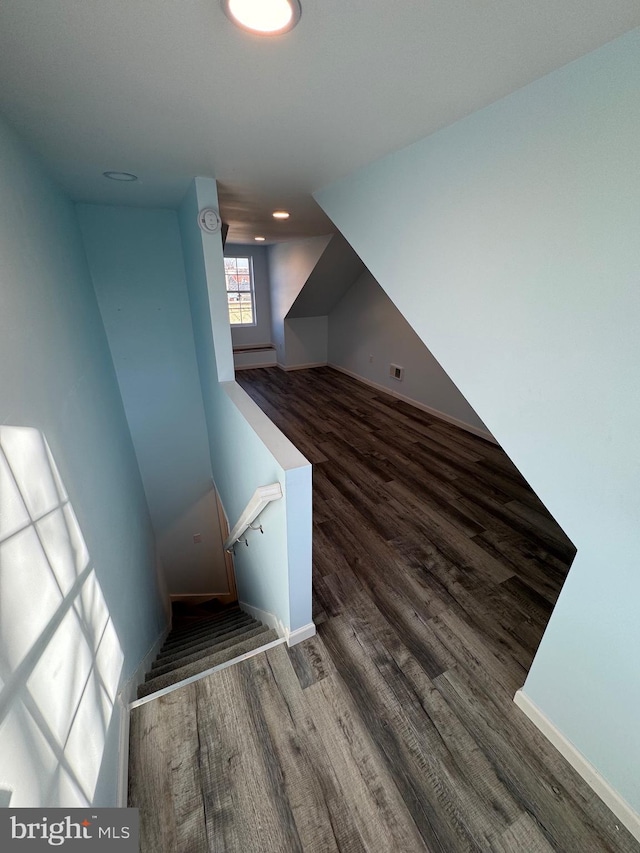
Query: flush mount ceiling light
[280, 214]
[120, 176]
[265, 17]
[260, 239]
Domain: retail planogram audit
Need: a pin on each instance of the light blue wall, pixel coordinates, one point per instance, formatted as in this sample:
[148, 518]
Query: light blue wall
[527, 219]
[204, 263]
[261, 332]
[62, 582]
[274, 573]
[135, 259]
[367, 333]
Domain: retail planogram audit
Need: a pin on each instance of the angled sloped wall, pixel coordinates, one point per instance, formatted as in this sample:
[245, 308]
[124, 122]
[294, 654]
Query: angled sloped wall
[307, 279]
[290, 265]
[367, 334]
[515, 231]
[337, 269]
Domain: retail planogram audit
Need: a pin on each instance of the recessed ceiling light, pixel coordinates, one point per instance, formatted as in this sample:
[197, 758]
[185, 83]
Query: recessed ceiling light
[280, 214]
[260, 239]
[120, 176]
[266, 17]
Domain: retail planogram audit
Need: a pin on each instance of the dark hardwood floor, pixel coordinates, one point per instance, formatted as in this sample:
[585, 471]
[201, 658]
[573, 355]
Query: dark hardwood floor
[436, 569]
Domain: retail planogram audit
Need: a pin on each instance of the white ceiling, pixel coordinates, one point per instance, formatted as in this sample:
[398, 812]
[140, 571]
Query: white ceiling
[169, 89]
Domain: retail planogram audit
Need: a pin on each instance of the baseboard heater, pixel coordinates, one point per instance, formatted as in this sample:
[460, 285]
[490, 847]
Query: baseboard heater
[253, 348]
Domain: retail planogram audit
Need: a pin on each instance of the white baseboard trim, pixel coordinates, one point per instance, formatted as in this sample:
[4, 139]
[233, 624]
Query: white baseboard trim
[482, 433]
[287, 367]
[126, 695]
[292, 637]
[609, 796]
[265, 617]
[301, 634]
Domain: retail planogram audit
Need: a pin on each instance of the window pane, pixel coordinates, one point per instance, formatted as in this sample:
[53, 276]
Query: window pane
[235, 313]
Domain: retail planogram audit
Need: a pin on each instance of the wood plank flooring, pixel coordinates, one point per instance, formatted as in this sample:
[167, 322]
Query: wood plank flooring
[435, 572]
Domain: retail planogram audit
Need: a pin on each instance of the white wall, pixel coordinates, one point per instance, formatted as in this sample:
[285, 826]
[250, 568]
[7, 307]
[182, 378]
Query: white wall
[261, 332]
[135, 259]
[527, 218]
[367, 333]
[335, 272]
[80, 603]
[306, 341]
[290, 265]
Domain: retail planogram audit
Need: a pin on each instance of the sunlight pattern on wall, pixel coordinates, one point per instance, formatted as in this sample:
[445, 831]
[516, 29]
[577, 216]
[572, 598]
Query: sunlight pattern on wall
[60, 659]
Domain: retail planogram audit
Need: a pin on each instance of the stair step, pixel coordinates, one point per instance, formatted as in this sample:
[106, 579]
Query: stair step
[205, 651]
[208, 662]
[197, 645]
[187, 628]
[173, 644]
[207, 637]
[184, 612]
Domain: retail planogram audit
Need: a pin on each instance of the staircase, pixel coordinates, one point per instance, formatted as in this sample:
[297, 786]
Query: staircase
[201, 640]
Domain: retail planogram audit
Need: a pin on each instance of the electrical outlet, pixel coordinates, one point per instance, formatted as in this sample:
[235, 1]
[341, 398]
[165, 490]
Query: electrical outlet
[396, 372]
[197, 538]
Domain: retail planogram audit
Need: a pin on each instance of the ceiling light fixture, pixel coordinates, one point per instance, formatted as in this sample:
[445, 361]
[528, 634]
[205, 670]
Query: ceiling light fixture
[265, 17]
[260, 239]
[120, 176]
[280, 214]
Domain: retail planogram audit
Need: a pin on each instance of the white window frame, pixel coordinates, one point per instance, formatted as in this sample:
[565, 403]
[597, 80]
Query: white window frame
[251, 291]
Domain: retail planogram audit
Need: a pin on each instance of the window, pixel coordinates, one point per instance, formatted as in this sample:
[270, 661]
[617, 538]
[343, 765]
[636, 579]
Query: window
[238, 274]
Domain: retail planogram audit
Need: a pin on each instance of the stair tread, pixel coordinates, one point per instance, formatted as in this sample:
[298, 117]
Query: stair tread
[198, 641]
[210, 621]
[172, 643]
[167, 655]
[205, 663]
[193, 613]
[160, 666]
